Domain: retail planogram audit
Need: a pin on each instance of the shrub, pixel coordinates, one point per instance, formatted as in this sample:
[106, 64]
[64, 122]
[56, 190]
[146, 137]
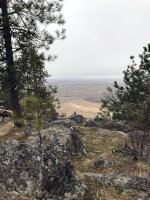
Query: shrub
[140, 145]
[39, 110]
[131, 100]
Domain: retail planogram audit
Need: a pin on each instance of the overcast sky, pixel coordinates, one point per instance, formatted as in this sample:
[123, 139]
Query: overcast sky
[101, 37]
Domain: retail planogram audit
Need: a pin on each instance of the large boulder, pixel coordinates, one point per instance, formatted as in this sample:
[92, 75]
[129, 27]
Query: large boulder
[119, 126]
[68, 136]
[116, 125]
[45, 172]
[96, 122]
[92, 123]
[77, 119]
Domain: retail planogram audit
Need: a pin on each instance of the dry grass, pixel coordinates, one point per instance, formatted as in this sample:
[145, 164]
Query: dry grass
[5, 128]
[97, 191]
[8, 131]
[87, 109]
[99, 143]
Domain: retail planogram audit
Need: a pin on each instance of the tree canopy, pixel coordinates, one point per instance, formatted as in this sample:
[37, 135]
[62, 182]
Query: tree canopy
[29, 22]
[24, 30]
[131, 100]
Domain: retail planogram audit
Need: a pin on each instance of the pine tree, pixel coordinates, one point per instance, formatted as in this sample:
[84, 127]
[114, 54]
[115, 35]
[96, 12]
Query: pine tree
[24, 24]
[32, 70]
[131, 101]
[40, 110]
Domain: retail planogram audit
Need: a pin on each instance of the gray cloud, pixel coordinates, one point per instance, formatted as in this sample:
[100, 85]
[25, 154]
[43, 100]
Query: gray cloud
[101, 36]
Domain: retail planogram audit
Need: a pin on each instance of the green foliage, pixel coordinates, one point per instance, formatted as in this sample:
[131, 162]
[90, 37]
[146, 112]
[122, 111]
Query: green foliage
[87, 195]
[32, 74]
[24, 33]
[5, 97]
[29, 22]
[118, 189]
[131, 100]
[18, 122]
[31, 78]
[39, 110]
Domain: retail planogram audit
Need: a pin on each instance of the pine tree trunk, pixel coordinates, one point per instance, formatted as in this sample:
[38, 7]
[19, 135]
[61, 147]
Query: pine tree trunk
[10, 61]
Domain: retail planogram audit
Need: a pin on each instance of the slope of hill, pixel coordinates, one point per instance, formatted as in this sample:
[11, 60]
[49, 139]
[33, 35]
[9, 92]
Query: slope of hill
[99, 143]
[121, 177]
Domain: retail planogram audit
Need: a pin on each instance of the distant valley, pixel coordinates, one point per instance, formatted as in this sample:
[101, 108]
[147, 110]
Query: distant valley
[81, 95]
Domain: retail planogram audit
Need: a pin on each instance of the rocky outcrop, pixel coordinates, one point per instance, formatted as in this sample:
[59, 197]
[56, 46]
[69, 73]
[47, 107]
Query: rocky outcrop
[96, 122]
[77, 119]
[68, 136]
[92, 123]
[116, 125]
[43, 173]
[119, 126]
[122, 180]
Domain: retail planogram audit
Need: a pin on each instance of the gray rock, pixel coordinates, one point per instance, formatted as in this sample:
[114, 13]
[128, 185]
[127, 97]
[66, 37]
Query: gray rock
[147, 197]
[93, 123]
[62, 122]
[78, 119]
[45, 172]
[122, 180]
[101, 163]
[119, 126]
[96, 122]
[116, 125]
[98, 119]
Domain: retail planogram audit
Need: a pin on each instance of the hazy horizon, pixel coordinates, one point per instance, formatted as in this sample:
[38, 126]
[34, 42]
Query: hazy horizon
[86, 77]
[101, 37]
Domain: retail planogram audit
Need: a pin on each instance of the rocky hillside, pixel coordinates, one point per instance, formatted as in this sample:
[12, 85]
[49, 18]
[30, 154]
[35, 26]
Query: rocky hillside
[110, 175]
[31, 171]
[77, 160]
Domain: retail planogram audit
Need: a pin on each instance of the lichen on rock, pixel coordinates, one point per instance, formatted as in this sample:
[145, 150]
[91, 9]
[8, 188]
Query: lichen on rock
[45, 172]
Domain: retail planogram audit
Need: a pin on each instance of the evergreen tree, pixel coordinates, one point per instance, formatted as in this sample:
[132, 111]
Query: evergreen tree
[40, 111]
[32, 70]
[31, 76]
[24, 24]
[131, 101]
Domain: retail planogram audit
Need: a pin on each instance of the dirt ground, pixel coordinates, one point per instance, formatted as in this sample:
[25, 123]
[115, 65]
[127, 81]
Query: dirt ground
[5, 128]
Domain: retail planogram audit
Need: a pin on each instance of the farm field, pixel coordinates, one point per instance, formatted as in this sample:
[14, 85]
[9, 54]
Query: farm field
[81, 95]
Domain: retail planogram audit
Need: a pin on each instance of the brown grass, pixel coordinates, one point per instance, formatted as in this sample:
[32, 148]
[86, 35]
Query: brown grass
[99, 143]
[5, 128]
[87, 109]
[8, 131]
